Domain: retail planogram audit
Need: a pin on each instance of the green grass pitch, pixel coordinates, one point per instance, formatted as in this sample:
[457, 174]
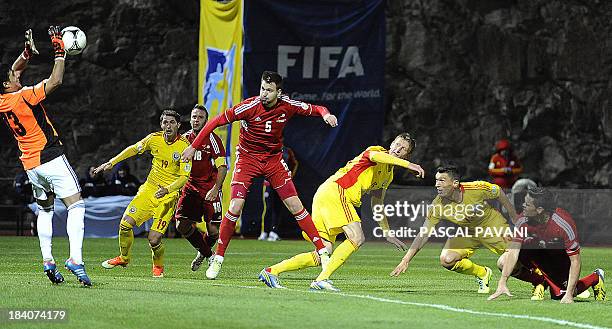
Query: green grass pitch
[427, 295]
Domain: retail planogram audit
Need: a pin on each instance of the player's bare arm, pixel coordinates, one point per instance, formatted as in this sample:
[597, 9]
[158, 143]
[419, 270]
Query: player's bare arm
[103, 167]
[378, 198]
[505, 202]
[510, 258]
[214, 191]
[415, 247]
[574, 273]
[57, 74]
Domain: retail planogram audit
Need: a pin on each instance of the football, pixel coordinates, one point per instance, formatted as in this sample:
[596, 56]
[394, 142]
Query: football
[74, 40]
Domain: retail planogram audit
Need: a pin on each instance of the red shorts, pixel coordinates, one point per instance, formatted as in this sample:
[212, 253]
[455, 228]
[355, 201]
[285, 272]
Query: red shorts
[272, 167]
[192, 206]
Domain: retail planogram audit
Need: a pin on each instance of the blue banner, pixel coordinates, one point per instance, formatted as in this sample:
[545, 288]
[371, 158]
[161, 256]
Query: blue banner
[330, 53]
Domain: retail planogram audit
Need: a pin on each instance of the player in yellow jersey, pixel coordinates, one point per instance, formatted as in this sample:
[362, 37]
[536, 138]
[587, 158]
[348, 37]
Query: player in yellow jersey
[333, 209]
[157, 197]
[480, 225]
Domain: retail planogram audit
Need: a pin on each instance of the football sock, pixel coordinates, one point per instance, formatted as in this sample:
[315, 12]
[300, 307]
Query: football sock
[466, 266]
[534, 276]
[226, 231]
[44, 225]
[338, 257]
[297, 262]
[157, 253]
[587, 282]
[126, 238]
[75, 227]
[304, 220]
[211, 239]
[197, 241]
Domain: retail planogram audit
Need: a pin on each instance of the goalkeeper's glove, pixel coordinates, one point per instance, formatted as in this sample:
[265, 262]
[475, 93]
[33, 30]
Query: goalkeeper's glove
[57, 42]
[30, 47]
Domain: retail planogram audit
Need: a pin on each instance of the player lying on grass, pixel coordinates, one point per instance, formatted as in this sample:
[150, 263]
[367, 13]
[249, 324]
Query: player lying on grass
[549, 256]
[157, 197]
[333, 209]
[464, 204]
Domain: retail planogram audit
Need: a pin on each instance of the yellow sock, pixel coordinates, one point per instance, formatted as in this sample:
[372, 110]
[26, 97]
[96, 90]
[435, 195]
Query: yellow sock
[466, 266]
[157, 253]
[297, 262]
[126, 238]
[338, 257]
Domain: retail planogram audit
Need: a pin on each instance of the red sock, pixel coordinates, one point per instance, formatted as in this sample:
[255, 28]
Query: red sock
[587, 282]
[226, 231]
[529, 275]
[197, 241]
[305, 222]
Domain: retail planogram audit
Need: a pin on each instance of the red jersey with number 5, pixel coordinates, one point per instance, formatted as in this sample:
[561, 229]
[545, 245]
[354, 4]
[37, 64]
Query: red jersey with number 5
[205, 160]
[27, 119]
[262, 128]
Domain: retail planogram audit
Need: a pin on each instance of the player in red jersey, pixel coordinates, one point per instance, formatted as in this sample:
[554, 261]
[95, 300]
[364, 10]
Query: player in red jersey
[201, 196]
[549, 254]
[259, 153]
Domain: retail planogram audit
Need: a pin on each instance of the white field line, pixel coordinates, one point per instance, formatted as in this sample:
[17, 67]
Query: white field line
[440, 307]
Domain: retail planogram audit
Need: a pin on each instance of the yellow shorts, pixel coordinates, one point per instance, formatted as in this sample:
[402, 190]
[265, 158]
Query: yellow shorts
[331, 211]
[145, 206]
[465, 246]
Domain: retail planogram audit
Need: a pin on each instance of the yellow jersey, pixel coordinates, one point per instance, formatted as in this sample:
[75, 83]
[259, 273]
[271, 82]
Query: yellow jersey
[473, 209]
[166, 165]
[362, 175]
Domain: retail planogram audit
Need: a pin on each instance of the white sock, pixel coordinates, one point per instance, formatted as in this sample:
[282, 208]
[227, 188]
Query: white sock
[75, 226]
[44, 225]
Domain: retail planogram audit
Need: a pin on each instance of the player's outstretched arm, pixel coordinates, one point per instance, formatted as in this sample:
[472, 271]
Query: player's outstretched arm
[505, 202]
[57, 75]
[29, 50]
[416, 245]
[218, 121]
[510, 258]
[377, 201]
[383, 157]
[127, 153]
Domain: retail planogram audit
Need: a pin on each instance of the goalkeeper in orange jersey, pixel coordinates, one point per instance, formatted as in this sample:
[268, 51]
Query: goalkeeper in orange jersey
[333, 209]
[464, 204]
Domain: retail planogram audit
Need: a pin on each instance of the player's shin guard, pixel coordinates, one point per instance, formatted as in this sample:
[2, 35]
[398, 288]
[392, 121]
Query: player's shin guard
[157, 254]
[338, 257]
[197, 241]
[75, 227]
[44, 225]
[466, 266]
[126, 238]
[226, 231]
[297, 262]
[304, 220]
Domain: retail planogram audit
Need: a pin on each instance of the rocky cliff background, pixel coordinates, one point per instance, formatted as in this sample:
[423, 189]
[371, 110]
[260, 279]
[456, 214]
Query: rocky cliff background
[460, 75]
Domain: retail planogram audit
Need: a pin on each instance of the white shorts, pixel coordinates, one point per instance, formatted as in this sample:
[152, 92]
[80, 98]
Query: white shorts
[55, 176]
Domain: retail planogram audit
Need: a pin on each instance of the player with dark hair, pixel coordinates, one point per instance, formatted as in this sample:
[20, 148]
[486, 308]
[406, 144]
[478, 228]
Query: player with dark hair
[549, 255]
[201, 196]
[333, 209]
[465, 204]
[157, 197]
[259, 153]
[42, 155]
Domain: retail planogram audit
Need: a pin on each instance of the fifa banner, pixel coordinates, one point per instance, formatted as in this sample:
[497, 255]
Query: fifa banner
[220, 69]
[330, 53]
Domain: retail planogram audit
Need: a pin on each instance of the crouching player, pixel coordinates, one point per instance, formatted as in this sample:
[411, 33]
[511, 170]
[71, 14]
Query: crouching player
[549, 255]
[333, 209]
